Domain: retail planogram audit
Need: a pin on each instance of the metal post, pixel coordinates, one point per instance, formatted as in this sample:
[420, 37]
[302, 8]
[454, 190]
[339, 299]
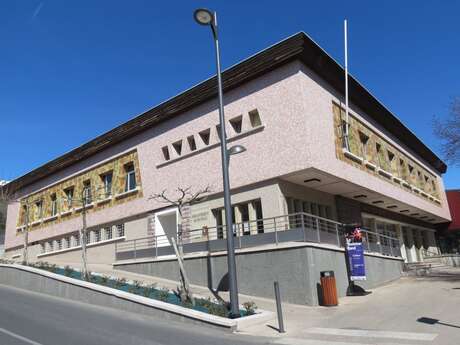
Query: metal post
[239, 233]
[337, 232]
[135, 253]
[368, 243]
[156, 246]
[231, 262]
[380, 243]
[278, 308]
[303, 228]
[317, 230]
[391, 246]
[276, 236]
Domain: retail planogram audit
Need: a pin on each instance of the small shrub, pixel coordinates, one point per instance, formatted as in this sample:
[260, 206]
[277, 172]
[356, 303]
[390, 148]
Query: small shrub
[132, 289]
[120, 282]
[68, 271]
[105, 280]
[163, 295]
[137, 284]
[250, 307]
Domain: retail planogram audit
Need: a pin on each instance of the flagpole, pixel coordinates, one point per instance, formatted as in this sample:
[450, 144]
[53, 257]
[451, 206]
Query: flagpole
[347, 146]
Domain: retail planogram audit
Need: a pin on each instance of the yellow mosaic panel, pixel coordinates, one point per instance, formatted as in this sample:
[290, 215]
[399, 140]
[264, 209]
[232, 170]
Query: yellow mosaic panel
[65, 210]
[408, 171]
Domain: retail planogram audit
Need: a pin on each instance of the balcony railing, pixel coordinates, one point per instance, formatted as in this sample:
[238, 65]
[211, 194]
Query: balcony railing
[298, 227]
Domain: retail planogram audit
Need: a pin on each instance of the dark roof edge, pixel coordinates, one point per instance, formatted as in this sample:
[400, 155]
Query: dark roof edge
[298, 46]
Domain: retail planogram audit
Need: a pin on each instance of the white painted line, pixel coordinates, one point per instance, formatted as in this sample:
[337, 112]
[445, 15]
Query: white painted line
[373, 334]
[299, 341]
[17, 336]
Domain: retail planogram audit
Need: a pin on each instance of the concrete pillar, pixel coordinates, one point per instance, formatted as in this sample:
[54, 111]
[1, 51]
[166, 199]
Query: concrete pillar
[402, 246]
[252, 218]
[411, 245]
[238, 220]
[432, 245]
[418, 244]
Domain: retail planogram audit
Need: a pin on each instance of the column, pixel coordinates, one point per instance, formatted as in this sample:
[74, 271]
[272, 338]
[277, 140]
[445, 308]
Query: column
[252, 218]
[418, 244]
[432, 245]
[411, 245]
[402, 246]
[238, 226]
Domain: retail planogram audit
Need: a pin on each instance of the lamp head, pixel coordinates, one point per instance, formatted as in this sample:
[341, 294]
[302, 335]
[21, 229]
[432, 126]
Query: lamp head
[234, 150]
[203, 16]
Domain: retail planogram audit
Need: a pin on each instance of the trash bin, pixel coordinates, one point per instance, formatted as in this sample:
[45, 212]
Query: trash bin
[329, 289]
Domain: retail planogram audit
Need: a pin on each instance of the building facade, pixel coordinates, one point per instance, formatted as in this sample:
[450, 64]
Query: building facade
[285, 105]
[449, 234]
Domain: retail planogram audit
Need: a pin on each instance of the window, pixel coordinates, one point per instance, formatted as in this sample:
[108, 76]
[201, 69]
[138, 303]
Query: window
[97, 235]
[433, 183]
[88, 237]
[67, 242]
[50, 246]
[87, 198]
[42, 248]
[54, 206]
[165, 153]
[254, 117]
[178, 147]
[204, 135]
[364, 139]
[107, 184]
[393, 162]
[25, 215]
[69, 196]
[58, 244]
[130, 177]
[38, 210]
[76, 238]
[191, 143]
[108, 232]
[237, 123]
[121, 230]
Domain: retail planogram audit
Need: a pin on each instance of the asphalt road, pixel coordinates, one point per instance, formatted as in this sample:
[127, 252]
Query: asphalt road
[28, 318]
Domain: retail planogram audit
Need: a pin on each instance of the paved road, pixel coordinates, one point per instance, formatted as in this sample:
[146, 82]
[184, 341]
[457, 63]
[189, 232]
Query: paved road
[28, 318]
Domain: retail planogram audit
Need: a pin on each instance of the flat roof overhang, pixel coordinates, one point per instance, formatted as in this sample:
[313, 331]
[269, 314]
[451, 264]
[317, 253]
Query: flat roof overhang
[371, 200]
[297, 47]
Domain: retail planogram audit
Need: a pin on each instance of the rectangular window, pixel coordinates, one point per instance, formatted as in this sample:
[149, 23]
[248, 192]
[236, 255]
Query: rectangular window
[54, 206]
[121, 230]
[254, 118]
[76, 238]
[364, 139]
[130, 177]
[165, 151]
[38, 210]
[97, 235]
[191, 143]
[69, 196]
[42, 248]
[107, 184]
[50, 246]
[58, 244]
[108, 232]
[67, 242]
[87, 197]
[88, 237]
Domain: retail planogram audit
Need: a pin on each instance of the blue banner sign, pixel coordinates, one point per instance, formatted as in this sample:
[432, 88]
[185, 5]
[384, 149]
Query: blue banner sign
[356, 259]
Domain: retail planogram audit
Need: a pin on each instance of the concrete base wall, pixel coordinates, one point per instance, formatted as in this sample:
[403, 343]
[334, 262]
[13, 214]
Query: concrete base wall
[296, 268]
[451, 260]
[42, 284]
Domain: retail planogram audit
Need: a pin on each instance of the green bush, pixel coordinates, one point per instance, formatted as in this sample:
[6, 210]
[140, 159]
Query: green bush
[250, 307]
[163, 295]
[68, 271]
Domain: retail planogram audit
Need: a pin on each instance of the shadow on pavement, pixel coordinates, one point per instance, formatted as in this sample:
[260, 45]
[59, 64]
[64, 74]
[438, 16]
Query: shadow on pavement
[430, 321]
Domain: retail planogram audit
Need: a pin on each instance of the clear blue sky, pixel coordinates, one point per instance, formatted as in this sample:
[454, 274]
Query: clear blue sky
[70, 70]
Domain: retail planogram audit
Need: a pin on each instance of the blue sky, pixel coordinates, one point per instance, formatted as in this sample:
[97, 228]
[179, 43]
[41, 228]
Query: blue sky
[70, 70]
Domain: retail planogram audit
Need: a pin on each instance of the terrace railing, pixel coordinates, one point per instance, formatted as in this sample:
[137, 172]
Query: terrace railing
[297, 227]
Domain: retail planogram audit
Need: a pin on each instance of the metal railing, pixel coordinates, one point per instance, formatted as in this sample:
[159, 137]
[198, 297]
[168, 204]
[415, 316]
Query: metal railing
[297, 227]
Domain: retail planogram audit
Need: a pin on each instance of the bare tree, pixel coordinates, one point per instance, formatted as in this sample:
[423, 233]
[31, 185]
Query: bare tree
[184, 197]
[449, 133]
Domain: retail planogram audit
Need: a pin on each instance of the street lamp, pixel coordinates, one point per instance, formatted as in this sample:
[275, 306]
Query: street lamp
[205, 17]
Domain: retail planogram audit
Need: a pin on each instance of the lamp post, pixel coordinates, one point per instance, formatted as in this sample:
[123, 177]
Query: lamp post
[205, 17]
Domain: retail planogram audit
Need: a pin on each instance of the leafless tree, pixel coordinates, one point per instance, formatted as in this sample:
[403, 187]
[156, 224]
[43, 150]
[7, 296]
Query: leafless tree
[183, 197]
[449, 133]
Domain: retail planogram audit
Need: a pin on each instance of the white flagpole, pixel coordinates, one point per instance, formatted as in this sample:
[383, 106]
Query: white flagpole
[346, 83]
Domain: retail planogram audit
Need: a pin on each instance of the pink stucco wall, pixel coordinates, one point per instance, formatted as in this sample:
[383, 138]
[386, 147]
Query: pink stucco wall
[296, 112]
